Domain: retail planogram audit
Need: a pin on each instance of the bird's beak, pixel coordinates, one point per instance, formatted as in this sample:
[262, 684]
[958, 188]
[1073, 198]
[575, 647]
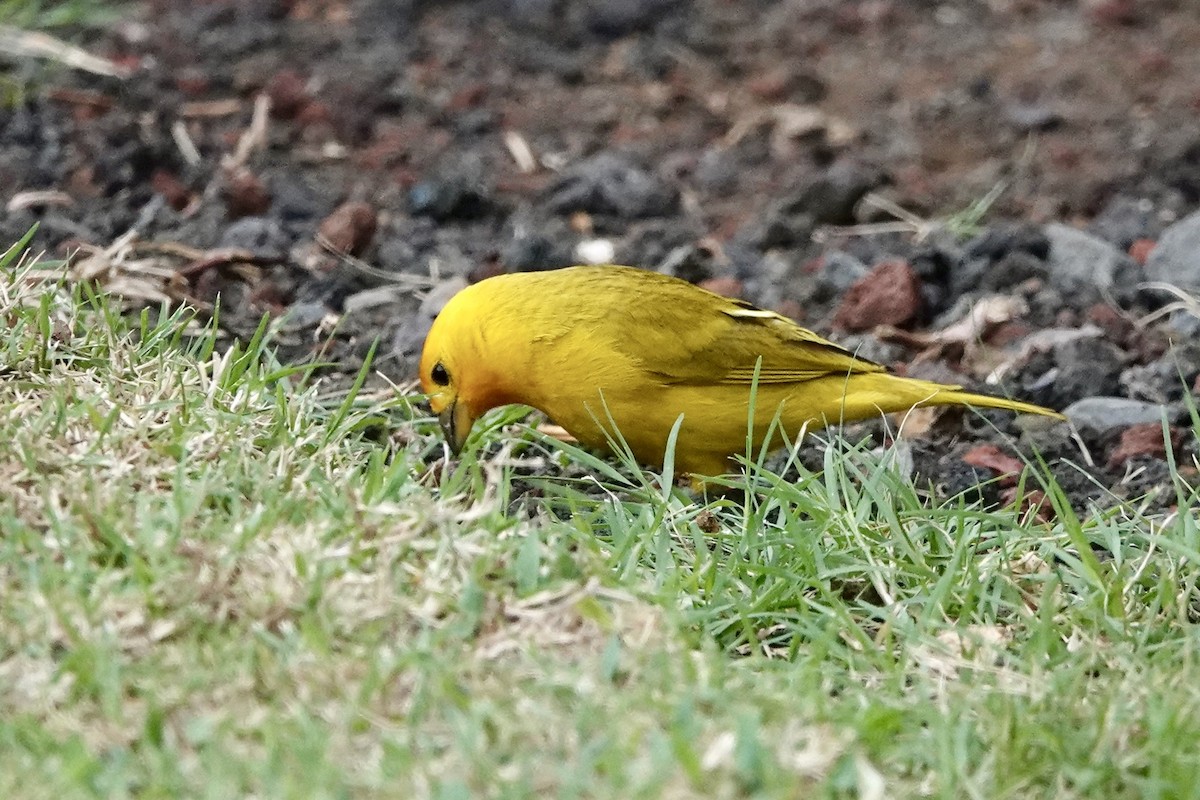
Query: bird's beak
[456, 421]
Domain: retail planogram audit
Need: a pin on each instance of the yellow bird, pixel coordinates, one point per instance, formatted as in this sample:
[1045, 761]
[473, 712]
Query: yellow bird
[598, 345]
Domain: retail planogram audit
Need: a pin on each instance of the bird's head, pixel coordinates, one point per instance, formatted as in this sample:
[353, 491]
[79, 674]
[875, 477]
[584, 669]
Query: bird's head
[466, 369]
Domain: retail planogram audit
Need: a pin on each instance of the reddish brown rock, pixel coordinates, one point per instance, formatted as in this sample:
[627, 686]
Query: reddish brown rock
[1141, 249]
[171, 188]
[991, 457]
[350, 228]
[791, 309]
[849, 19]
[207, 285]
[1154, 61]
[245, 194]
[1032, 500]
[1007, 333]
[1064, 155]
[288, 92]
[82, 183]
[390, 145]
[1145, 440]
[468, 97]
[813, 265]
[890, 294]
[772, 85]
[192, 82]
[488, 268]
[1114, 12]
[67, 248]
[1147, 344]
[269, 295]
[1108, 319]
[726, 286]
[314, 113]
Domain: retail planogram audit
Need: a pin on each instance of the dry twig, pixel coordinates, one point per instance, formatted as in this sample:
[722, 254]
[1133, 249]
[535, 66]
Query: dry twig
[33, 44]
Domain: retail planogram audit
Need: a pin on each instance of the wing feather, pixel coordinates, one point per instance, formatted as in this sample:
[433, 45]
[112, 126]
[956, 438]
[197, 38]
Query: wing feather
[689, 336]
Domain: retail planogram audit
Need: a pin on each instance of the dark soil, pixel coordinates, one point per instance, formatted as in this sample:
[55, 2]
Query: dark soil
[874, 169]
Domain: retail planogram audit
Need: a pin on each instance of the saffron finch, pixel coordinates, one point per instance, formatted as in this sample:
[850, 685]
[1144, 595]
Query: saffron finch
[596, 346]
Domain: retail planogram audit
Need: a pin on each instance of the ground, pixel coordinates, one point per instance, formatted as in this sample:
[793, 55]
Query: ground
[229, 569]
[777, 151]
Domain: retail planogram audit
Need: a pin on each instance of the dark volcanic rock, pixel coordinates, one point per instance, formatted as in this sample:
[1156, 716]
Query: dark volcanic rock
[609, 183]
[1086, 269]
[619, 17]
[826, 278]
[450, 196]
[996, 258]
[1167, 378]
[829, 199]
[1176, 258]
[262, 236]
[537, 244]
[1124, 220]
[1089, 367]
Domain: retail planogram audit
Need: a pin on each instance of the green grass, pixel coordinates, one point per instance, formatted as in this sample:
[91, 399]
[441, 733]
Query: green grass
[46, 14]
[221, 578]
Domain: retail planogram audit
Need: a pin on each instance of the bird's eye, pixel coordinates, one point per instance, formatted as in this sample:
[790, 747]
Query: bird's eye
[439, 375]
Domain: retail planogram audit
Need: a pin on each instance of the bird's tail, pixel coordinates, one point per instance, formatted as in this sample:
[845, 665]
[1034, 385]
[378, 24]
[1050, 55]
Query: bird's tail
[866, 395]
[953, 396]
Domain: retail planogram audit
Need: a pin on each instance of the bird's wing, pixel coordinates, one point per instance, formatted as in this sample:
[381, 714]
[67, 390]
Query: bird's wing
[702, 339]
